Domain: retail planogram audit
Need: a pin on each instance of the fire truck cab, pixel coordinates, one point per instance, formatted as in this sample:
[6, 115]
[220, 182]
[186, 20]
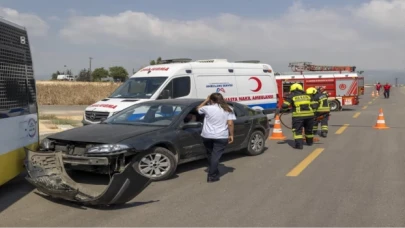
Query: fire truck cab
[343, 87]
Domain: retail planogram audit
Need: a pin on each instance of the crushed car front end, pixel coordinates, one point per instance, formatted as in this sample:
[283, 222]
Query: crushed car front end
[47, 171]
[91, 157]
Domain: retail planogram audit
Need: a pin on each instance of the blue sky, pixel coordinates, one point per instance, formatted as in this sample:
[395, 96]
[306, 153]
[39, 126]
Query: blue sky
[129, 32]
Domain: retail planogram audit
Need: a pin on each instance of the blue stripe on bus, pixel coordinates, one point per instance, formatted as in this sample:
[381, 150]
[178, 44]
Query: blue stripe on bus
[16, 110]
[3, 115]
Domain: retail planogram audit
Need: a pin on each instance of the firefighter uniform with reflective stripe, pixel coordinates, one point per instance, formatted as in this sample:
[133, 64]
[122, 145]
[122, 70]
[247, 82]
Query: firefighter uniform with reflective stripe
[302, 114]
[322, 98]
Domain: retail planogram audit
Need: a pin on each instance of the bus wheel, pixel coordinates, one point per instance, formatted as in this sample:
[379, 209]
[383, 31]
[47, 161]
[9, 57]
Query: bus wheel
[334, 105]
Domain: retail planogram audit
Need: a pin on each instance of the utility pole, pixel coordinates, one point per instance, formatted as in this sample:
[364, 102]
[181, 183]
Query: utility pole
[396, 82]
[91, 78]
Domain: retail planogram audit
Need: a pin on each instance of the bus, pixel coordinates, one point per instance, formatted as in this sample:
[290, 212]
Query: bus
[18, 106]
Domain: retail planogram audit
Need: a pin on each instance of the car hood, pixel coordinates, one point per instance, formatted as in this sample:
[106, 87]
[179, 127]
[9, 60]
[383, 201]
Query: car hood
[103, 133]
[113, 104]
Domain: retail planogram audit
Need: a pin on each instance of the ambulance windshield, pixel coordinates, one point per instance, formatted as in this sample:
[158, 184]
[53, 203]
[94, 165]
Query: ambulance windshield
[139, 87]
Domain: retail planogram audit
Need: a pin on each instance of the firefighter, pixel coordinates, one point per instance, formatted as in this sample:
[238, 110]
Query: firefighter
[302, 114]
[323, 109]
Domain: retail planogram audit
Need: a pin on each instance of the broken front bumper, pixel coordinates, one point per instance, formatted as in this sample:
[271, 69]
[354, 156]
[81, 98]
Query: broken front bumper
[47, 173]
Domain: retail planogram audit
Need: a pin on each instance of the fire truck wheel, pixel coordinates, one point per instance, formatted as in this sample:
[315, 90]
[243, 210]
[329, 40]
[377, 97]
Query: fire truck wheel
[334, 105]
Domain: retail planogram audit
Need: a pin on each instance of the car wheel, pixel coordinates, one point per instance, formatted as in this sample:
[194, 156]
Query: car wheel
[334, 105]
[256, 143]
[157, 164]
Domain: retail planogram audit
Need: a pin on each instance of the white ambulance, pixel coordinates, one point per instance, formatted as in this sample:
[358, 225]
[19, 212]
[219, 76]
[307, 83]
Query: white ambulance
[248, 82]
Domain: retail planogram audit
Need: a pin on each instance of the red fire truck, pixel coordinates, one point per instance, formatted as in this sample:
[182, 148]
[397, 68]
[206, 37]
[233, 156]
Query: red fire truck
[343, 83]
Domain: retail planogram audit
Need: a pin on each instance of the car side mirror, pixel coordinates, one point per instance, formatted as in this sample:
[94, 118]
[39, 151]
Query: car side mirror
[165, 94]
[192, 125]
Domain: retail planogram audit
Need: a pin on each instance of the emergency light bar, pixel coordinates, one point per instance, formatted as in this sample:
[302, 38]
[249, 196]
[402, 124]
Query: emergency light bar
[179, 60]
[212, 61]
[248, 61]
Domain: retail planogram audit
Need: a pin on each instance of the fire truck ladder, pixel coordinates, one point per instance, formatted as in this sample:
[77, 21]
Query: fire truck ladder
[308, 66]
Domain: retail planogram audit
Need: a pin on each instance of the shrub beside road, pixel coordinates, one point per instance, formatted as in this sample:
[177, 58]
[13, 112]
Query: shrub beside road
[73, 93]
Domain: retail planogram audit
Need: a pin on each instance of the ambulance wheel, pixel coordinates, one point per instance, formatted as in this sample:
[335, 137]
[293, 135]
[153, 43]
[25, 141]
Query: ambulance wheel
[334, 105]
[256, 143]
[157, 164]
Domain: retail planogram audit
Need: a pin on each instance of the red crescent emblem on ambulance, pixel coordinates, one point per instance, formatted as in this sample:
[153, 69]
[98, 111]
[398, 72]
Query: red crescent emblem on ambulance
[259, 84]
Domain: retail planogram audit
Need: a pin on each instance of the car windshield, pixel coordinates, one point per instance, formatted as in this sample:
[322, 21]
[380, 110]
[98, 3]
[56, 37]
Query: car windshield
[147, 114]
[139, 87]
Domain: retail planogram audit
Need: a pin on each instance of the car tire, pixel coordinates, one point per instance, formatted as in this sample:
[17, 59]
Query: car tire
[163, 160]
[256, 143]
[334, 105]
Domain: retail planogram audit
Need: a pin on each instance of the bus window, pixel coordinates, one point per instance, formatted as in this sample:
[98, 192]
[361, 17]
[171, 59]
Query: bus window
[18, 104]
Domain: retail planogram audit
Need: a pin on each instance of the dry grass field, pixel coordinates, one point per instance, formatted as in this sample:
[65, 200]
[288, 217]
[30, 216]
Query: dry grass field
[73, 93]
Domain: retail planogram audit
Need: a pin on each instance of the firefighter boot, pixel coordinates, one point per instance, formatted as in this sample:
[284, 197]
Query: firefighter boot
[310, 141]
[324, 134]
[299, 144]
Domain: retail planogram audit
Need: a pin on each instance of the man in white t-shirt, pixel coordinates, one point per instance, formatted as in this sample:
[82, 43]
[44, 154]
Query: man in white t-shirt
[217, 131]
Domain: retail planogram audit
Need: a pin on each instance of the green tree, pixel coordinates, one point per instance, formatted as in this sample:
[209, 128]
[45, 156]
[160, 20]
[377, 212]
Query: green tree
[118, 72]
[157, 61]
[69, 72]
[83, 76]
[99, 73]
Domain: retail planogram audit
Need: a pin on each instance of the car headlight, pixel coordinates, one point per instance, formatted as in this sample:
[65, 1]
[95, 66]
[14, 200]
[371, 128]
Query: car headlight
[107, 148]
[47, 144]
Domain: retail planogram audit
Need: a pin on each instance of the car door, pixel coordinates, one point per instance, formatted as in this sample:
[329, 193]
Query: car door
[190, 141]
[242, 126]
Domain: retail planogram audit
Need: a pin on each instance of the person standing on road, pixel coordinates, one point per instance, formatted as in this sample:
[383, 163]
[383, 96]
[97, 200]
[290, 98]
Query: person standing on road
[378, 87]
[321, 96]
[217, 131]
[303, 107]
[387, 88]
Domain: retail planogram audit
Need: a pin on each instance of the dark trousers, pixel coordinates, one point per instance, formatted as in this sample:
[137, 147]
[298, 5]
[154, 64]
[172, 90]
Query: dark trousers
[324, 125]
[386, 93]
[303, 122]
[215, 148]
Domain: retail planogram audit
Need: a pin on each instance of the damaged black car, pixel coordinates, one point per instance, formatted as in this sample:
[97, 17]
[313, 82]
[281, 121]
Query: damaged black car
[154, 136]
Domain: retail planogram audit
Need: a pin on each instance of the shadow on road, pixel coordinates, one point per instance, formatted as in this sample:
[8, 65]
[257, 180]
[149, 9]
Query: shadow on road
[291, 142]
[83, 207]
[13, 191]
[203, 163]
[347, 110]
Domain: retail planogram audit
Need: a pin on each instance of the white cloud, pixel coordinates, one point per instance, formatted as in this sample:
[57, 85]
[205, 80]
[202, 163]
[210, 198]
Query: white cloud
[369, 36]
[35, 25]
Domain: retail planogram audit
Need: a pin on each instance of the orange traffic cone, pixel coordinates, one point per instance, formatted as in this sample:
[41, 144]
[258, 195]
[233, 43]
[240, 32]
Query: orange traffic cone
[380, 121]
[372, 94]
[277, 132]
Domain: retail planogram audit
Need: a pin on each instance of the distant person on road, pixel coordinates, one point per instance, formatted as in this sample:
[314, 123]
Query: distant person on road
[378, 87]
[217, 131]
[387, 88]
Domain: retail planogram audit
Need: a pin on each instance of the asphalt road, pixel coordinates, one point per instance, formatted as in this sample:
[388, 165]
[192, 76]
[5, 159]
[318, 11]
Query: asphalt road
[355, 177]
